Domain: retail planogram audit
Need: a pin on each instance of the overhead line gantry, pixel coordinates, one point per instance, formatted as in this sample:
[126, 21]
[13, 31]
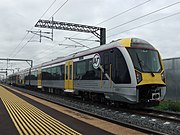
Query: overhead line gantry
[30, 62]
[51, 24]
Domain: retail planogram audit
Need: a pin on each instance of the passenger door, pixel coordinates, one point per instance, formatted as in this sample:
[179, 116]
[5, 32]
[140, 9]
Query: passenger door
[69, 76]
[39, 77]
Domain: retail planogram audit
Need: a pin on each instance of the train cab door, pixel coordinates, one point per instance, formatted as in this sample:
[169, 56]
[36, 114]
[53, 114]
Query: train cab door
[69, 76]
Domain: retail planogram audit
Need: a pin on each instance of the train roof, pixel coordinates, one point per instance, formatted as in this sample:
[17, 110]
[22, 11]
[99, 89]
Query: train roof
[135, 42]
[125, 42]
[81, 53]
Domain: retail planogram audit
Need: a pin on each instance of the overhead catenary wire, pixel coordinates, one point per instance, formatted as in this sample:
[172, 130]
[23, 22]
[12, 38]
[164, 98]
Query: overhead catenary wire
[145, 24]
[11, 54]
[178, 13]
[65, 53]
[111, 18]
[106, 20]
[155, 11]
[18, 44]
[48, 9]
[140, 17]
[30, 30]
[148, 13]
[41, 17]
[121, 13]
[23, 46]
[59, 8]
[48, 49]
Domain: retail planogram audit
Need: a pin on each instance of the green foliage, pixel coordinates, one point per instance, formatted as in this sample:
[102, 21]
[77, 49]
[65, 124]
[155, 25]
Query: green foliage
[169, 105]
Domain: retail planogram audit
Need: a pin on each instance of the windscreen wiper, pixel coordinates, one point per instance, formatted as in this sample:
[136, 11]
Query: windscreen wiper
[139, 61]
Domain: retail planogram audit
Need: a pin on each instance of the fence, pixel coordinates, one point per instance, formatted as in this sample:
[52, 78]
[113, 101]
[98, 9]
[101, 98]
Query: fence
[172, 71]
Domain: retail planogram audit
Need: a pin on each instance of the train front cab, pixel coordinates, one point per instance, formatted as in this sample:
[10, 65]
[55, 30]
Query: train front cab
[149, 71]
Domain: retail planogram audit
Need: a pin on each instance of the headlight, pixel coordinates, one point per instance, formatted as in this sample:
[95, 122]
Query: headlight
[138, 77]
[163, 77]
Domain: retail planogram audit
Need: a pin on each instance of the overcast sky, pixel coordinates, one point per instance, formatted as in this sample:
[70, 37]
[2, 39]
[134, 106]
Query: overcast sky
[18, 16]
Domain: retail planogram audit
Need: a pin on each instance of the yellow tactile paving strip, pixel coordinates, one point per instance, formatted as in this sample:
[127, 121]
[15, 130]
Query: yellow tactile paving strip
[30, 120]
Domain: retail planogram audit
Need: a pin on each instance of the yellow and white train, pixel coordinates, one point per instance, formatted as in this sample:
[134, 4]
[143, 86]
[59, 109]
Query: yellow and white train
[127, 70]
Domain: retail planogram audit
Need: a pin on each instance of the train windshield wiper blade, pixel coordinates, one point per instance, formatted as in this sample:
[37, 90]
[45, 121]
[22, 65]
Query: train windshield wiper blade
[139, 61]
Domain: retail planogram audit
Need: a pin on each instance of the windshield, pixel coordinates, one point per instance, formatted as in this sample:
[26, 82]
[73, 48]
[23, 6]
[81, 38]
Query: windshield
[145, 60]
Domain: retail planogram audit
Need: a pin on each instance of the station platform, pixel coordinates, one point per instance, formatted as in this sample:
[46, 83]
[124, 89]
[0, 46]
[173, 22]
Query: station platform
[22, 115]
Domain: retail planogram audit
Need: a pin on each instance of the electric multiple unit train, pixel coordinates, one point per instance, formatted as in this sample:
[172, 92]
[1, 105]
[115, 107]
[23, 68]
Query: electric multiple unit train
[127, 70]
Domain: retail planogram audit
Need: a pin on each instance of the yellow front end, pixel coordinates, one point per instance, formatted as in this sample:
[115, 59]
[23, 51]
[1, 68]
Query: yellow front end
[151, 87]
[151, 78]
[149, 70]
[154, 78]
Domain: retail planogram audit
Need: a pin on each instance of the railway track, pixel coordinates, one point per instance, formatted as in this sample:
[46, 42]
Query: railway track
[147, 121]
[166, 115]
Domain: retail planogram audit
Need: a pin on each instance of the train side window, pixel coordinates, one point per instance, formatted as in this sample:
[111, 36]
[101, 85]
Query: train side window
[83, 70]
[36, 75]
[58, 73]
[49, 76]
[44, 74]
[53, 73]
[90, 64]
[31, 76]
[70, 72]
[62, 72]
[89, 73]
[80, 70]
[67, 72]
[74, 70]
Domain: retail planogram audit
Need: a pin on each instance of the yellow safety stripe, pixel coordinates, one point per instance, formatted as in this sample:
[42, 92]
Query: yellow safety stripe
[47, 118]
[14, 120]
[30, 120]
[17, 121]
[20, 117]
[50, 124]
[34, 123]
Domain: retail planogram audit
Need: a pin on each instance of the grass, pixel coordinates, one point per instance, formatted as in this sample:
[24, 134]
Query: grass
[169, 105]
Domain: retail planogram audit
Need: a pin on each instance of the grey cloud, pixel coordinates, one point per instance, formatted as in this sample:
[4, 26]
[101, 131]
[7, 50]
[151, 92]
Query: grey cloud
[17, 16]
